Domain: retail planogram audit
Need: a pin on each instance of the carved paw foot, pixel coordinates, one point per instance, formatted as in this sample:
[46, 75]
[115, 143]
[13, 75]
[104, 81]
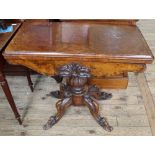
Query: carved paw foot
[51, 122]
[94, 110]
[102, 121]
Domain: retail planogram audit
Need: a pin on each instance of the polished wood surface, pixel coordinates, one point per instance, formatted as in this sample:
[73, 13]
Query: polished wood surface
[5, 37]
[80, 41]
[116, 82]
[4, 40]
[103, 21]
[109, 50]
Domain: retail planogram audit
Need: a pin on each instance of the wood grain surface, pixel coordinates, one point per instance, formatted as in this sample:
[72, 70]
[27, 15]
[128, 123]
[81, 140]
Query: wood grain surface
[80, 41]
[5, 37]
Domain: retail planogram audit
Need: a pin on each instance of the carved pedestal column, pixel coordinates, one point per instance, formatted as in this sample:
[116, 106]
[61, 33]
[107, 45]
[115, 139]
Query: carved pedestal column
[77, 92]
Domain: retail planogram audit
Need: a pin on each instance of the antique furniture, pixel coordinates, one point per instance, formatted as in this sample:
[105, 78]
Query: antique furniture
[4, 40]
[84, 54]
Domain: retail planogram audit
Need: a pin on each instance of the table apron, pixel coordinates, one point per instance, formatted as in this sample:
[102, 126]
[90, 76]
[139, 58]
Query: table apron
[98, 69]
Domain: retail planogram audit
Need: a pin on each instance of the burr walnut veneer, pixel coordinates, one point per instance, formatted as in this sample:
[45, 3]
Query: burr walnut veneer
[84, 53]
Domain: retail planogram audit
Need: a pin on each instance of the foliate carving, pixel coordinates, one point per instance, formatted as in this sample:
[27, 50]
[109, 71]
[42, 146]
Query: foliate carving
[74, 70]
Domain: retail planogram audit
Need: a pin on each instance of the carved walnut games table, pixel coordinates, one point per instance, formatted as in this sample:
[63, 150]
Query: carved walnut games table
[83, 53]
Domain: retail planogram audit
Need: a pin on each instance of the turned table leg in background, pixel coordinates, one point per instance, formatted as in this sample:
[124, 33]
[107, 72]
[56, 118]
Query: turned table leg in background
[29, 80]
[76, 91]
[9, 97]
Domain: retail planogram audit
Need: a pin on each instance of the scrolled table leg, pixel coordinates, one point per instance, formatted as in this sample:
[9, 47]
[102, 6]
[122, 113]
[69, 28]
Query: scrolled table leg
[94, 110]
[61, 106]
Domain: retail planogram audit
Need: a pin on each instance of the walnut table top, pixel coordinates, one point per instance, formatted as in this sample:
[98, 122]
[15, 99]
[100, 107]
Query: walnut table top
[114, 43]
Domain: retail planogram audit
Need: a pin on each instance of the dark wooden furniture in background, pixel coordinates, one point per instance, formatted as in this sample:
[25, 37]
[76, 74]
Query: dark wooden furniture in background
[80, 52]
[5, 38]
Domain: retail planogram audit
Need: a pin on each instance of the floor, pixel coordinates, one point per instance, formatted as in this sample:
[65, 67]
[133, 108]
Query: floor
[130, 111]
